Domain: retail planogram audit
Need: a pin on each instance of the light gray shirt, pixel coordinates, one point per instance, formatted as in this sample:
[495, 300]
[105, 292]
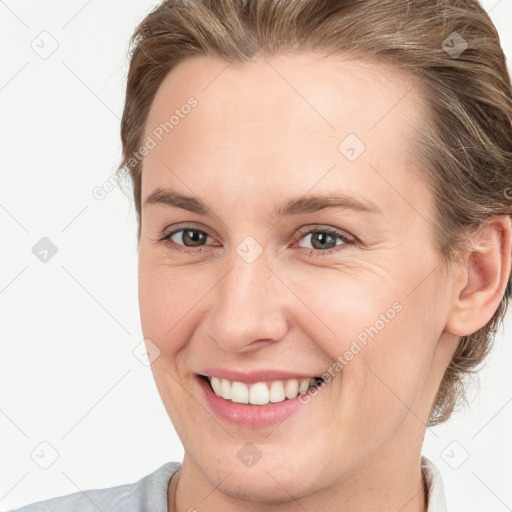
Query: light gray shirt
[149, 494]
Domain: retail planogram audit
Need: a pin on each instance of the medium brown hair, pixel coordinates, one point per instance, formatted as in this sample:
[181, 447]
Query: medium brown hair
[450, 47]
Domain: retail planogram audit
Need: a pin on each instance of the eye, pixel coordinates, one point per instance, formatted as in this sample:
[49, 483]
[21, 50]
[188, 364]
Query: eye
[325, 240]
[185, 237]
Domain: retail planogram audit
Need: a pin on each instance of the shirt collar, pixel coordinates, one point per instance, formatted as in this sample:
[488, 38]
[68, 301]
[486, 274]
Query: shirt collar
[435, 487]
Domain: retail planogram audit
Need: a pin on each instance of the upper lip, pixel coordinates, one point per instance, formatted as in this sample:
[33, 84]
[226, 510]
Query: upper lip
[252, 376]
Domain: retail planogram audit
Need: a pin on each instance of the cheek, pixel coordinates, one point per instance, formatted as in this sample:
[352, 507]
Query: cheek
[167, 296]
[383, 335]
[342, 306]
[168, 302]
[386, 377]
[378, 305]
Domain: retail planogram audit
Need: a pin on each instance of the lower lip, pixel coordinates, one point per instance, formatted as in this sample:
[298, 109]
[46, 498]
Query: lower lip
[255, 416]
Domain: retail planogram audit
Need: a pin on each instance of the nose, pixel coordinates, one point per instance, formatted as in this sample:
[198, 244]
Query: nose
[248, 306]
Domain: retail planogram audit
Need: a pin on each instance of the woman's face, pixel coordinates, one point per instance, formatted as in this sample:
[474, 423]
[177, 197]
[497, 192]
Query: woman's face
[249, 281]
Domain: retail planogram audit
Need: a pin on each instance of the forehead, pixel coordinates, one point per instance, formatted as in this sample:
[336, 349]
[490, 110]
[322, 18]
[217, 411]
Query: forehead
[285, 120]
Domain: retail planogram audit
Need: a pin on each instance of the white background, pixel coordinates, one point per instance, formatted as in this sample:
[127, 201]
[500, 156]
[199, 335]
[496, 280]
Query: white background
[68, 375]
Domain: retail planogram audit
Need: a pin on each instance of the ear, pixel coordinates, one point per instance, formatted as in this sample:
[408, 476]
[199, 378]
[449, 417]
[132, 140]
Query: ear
[483, 277]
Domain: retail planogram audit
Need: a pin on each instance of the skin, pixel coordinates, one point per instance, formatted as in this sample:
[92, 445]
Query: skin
[263, 133]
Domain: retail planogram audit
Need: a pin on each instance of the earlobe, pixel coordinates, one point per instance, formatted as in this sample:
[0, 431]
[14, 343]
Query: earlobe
[483, 278]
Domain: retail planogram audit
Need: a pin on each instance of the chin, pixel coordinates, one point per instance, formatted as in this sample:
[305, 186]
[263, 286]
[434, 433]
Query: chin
[272, 481]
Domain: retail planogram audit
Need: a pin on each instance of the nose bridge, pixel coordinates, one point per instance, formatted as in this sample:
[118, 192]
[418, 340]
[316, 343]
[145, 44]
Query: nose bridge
[248, 303]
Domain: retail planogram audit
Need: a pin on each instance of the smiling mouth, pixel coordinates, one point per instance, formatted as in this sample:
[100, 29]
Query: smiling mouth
[260, 393]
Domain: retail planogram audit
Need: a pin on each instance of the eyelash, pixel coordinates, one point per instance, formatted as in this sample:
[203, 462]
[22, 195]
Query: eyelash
[347, 240]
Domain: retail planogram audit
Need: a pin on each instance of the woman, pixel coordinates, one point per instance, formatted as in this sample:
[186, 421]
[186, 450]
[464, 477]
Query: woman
[324, 244]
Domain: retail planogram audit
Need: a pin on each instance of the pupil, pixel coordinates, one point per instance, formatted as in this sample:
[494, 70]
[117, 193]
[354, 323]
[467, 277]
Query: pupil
[193, 237]
[322, 237]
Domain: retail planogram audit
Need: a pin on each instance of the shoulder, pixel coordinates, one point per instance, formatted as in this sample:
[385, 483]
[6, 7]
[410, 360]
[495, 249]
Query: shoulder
[149, 494]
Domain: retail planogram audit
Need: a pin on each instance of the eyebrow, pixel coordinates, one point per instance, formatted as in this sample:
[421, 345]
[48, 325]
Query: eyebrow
[301, 205]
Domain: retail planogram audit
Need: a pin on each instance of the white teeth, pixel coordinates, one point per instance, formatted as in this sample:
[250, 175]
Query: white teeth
[217, 388]
[239, 393]
[277, 391]
[292, 388]
[225, 388]
[304, 385]
[259, 393]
